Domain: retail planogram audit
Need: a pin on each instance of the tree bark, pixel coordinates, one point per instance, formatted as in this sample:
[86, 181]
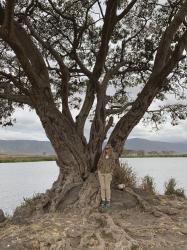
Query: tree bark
[73, 158]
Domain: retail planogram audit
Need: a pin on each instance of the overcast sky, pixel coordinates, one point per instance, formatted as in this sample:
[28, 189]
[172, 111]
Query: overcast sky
[28, 127]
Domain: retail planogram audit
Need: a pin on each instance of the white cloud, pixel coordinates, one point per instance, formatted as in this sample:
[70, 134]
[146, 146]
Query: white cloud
[167, 132]
[28, 127]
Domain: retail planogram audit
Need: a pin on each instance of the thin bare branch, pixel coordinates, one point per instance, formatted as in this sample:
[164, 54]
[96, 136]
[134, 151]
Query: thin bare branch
[46, 45]
[16, 83]
[81, 65]
[118, 109]
[110, 73]
[101, 10]
[62, 15]
[126, 10]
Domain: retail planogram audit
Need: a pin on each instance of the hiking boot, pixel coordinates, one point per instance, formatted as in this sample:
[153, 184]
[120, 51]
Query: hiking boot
[102, 204]
[107, 204]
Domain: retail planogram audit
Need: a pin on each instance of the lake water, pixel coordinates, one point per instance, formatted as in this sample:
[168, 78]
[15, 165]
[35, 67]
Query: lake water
[161, 169]
[19, 180]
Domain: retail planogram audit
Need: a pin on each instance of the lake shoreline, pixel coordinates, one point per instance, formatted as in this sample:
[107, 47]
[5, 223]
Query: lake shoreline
[30, 158]
[37, 158]
[155, 156]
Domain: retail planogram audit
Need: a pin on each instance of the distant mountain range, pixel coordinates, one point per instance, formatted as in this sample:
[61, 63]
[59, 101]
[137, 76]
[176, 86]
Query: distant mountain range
[148, 146]
[44, 147]
[27, 147]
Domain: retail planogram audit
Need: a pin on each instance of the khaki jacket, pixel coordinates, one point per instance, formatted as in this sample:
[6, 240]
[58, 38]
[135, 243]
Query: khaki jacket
[106, 165]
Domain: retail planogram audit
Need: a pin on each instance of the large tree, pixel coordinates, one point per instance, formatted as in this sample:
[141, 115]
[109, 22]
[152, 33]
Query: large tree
[87, 55]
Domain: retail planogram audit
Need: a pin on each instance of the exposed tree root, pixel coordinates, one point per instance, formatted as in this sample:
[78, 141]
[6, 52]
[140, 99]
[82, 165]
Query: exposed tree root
[144, 204]
[108, 231]
[89, 195]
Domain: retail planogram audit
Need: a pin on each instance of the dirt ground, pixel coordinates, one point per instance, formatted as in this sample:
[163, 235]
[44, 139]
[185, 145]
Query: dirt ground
[132, 222]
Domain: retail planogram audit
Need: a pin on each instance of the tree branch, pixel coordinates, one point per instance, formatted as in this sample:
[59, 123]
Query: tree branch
[62, 15]
[98, 124]
[101, 10]
[17, 98]
[8, 16]
[81, 65]
[118, 110]
[126, 10]
[14, 80]
[81, 118]
[108, 26]
[164, 45]
[54, 53]
[113, 71]
[28, 55]
[154, 84]
[86, 107]
[108, 126]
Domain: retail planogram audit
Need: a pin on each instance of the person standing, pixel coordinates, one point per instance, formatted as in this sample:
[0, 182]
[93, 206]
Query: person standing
[106, 165]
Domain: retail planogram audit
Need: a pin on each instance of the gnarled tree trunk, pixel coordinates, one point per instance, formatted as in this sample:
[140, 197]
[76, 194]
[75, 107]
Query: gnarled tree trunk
[76, 183]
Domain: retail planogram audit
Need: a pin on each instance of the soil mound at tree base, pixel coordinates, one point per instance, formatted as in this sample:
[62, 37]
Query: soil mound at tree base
[135, 221]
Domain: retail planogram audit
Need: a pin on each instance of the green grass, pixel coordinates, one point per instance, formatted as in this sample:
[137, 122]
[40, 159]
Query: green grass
[25, 158]
[31, 201]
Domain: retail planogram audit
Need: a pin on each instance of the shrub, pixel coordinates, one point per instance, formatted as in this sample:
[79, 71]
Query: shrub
[32, 201]
[8, 216]
[180, 192]
[170, 188]
[124, 175]
[148, 184]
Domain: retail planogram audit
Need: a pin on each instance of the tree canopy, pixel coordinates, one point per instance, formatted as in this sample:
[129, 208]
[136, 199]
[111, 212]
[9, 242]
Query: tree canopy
[103, 58]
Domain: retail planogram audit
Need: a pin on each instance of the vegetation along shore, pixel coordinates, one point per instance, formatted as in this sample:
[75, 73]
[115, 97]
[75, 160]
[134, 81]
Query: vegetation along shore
[26, 158]
[35, 158]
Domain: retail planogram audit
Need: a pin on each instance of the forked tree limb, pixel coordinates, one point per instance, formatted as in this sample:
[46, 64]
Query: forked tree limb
[168, 36]
[155, 82]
